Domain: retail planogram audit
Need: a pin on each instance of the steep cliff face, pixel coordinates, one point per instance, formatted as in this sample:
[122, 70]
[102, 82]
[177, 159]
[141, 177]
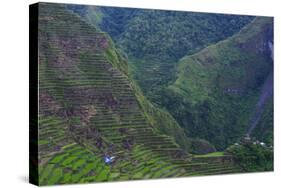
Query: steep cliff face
[224, 87]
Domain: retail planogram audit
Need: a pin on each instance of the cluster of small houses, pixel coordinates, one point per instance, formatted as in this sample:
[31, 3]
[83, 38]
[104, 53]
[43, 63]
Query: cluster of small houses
[248, 140]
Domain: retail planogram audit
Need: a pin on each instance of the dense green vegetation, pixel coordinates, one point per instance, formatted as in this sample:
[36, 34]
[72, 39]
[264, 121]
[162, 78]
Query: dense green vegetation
[264, 130]
[91, 108]
[253, 157]
[153, 58]
[207, 105]
[160, 115]
[217, 89]
[162, 120]
[114, 22]
[171, 35]
[155, 40]
[165, 34]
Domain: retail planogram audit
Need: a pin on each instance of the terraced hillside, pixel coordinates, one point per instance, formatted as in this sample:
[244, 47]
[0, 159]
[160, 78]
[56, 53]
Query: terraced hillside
[90, 109]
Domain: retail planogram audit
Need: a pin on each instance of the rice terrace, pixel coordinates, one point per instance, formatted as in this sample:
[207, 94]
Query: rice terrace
[129, 94]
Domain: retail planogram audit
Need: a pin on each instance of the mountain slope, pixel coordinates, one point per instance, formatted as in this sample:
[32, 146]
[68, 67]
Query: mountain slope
[114, 21]
[90, 109]
[216, 90]
[154, 40]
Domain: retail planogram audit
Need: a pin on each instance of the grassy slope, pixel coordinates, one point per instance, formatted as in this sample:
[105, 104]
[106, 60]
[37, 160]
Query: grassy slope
[213, 154]
[219, 86]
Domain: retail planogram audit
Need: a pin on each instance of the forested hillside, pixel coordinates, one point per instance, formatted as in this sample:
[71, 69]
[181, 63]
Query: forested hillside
[130, 94]
[223, 90]
[155, 40]
[92, 112]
